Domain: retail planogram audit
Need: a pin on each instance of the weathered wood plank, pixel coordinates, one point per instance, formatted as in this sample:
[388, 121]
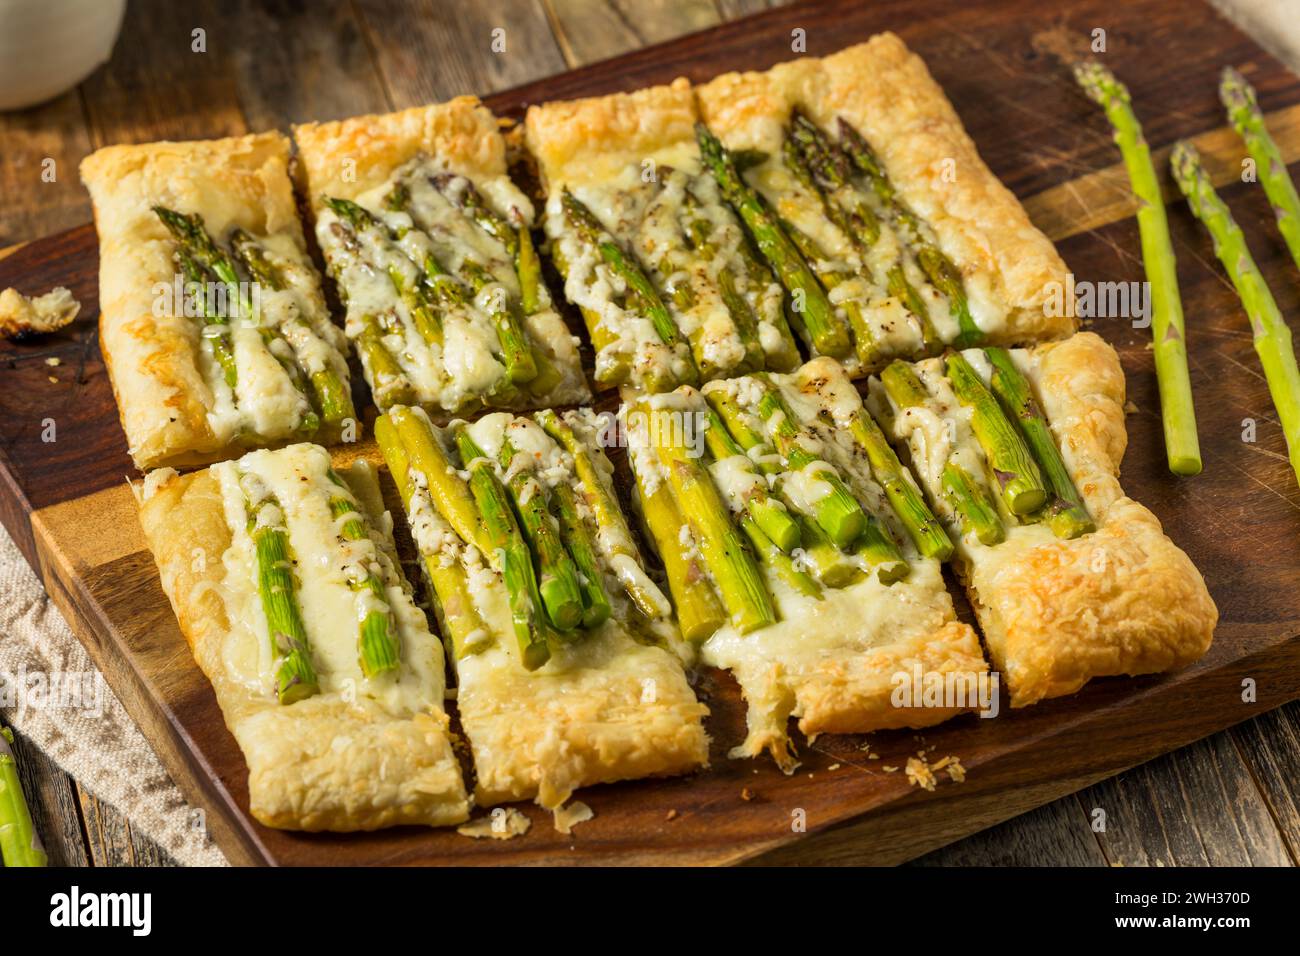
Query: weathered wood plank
[591, 30]
[1056, 834]
[38, 169]
[1270, 745]
[110, 839]
[427, 51]
[1197, 806]
[52, 798]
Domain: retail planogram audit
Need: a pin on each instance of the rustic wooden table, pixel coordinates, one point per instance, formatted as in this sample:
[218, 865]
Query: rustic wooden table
[1232, 799]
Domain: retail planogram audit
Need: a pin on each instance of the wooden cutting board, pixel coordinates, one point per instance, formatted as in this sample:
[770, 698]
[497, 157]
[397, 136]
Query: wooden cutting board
[65, 501]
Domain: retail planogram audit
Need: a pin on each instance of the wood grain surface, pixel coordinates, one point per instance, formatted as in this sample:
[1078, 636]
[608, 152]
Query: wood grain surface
[1036, 133]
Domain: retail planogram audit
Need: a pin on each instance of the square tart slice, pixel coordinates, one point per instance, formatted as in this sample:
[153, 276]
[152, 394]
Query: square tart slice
[867, 167]
[566, 656]
[631, 207]
[801, 557]
[1019, 451]
[284, 578]
[212, 322]
[428, 242]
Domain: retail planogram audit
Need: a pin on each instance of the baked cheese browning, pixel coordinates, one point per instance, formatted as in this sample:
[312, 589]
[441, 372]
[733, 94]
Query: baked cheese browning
[658, 265]
[799, 553]
[284, 577]
[564, 648]
[866, 168]
[430, 247]
[213, 322]
[1085, 585]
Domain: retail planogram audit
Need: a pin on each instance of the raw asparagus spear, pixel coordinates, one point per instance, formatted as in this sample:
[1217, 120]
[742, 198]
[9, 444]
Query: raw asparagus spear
[826, 333]
[769, 514]
[557, 576]
[1008, 456]
[1271, 335]
[332, 395]
[1065, 512]
[614, 533]
[457, 613]
[510, 551]
[837, 511]
[1244, 114]
[938, 268]
[295, 676]
[1182, 448]
[641, 292]
[738, 579]
[967, 496]
[378, 650]
[19, 843]
[921, 524]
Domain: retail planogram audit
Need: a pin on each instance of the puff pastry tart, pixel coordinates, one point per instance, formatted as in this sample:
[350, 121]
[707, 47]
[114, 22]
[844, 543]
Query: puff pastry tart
[429, 243]
[858, 182]
[801, 555]
[1019, 452]
[284, 578]
[670, 288]
[212, 322]
[564, 648]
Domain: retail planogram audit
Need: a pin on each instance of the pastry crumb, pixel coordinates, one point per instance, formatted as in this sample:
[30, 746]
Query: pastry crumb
[670, 816]
[1130, 408]
[566, 818]
[919, 773]
[22, 317]
[53, 361]
[746, 794]
[833, 766]
[54, 379]
[503, 823]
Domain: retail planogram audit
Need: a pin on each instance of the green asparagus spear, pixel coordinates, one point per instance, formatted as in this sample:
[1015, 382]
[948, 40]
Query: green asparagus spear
[1065, 512]
[967, 497]
[378, 650]
[450, 495]
[750, 437]
[391, 386]
[1008, 456]
[769, 514]
[837, 511]
[614, 533]
[729, 562]
[877, 550]
[557, 575]
[332, 395]
[516, 350]
[1244, 113]
[276, 584]
[938, 268]
[777, 561]
[921, 524]
[826, 333]
[816, 552]
[223, 349]
[641, 292]
[510, 553]
[19, 843]
[613, 367]
[595, 602]
[457, 614]
[1269, 330]
[1182, 447]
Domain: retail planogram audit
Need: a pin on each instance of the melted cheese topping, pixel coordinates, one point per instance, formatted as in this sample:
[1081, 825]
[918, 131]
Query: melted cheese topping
[324, 564]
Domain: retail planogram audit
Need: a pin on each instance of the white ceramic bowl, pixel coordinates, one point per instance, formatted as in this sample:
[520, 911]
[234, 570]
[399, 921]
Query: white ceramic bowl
[49, 46]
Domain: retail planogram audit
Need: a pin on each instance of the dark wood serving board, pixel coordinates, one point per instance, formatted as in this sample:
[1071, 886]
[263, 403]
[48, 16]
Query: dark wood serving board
[68, 507]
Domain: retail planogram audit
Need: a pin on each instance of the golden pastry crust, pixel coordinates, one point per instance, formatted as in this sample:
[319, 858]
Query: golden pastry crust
[612, 710]
[151, 353]
[321, 763]
[579, 141]
[886, 93]
[348, 157]
[1123, 600]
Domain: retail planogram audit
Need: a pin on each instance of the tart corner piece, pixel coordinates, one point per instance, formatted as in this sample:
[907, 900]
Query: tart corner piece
[567, 660]
[288, 591]
[205, 362]
[1019, 452]
[430, 246]
[872, 117]
[791, 564]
